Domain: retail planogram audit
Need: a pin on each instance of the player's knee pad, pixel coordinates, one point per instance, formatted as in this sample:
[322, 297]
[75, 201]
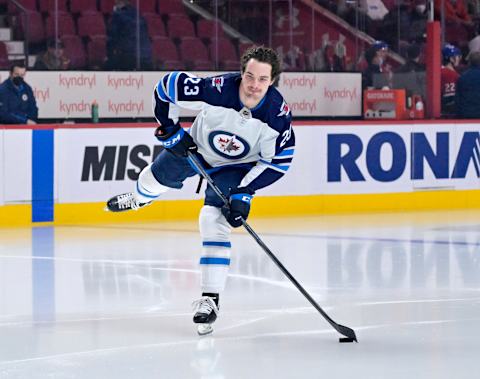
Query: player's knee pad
[213, 226]
[148, 188]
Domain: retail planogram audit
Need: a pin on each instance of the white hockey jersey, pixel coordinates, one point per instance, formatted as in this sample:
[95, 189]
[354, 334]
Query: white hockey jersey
[225, 131]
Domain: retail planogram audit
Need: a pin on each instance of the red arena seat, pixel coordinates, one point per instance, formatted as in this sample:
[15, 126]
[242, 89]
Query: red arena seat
[207, 29]
[155, 25]
[91, 24]
[166, 7]
[180, 26]
[66, 26]
[194, 53]
[163, 51]
[81, 6]
[36, 29]
[49, 6]
[75, 51]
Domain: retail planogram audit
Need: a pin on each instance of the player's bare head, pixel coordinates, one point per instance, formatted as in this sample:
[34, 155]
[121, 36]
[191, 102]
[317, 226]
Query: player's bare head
[264, 55]
[18, 69]
[17, 66]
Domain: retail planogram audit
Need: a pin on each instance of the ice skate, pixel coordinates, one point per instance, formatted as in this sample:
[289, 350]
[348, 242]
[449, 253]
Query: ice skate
[124, 202]
[205, 314]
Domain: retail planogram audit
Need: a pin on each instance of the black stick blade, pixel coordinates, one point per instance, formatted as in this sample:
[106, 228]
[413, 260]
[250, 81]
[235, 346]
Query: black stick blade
[347, 332]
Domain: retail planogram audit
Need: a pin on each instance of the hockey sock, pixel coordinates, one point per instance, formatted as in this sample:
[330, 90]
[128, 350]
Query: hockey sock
[216, 249]
[148, 188]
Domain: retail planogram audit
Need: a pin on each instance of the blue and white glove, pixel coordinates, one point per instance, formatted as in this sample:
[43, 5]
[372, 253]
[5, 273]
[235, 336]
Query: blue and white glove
[239, 207]
[175, 140]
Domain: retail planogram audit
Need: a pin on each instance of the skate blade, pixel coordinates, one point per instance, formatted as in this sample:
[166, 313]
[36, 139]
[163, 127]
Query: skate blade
[204, 329]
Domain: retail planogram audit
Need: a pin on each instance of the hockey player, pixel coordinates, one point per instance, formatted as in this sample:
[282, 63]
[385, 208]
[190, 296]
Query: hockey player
[449, 76]
[243, 137]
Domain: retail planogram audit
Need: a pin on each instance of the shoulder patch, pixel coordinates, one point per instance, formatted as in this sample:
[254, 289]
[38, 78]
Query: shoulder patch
[284, 109]
[217, 82]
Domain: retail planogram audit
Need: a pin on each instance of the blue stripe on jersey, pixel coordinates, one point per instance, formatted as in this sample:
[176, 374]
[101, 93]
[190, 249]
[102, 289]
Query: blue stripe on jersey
[42, 175]
[285, 153]
[161, 92]
[276, 166]
[172, 86]
[216, 243]
[214, 261]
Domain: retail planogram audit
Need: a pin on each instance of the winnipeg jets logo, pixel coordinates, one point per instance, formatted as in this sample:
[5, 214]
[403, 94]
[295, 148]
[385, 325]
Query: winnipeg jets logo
[284, 110]
[218, 83]
[228, 145]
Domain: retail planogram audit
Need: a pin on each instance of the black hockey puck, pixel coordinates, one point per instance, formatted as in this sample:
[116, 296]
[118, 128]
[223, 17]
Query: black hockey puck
[345, 340]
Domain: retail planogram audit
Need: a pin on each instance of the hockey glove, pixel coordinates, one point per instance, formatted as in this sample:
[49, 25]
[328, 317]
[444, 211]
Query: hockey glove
[239, 206]
[175, 140]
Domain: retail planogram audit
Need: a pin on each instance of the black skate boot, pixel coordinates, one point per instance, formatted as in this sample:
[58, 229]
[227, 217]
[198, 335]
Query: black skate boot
[206, 310]
[124, 202]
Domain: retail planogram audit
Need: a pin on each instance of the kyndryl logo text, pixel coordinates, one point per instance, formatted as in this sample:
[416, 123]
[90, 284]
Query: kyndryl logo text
[346, 151]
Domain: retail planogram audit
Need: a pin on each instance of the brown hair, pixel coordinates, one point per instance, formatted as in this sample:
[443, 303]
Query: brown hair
[262, 54]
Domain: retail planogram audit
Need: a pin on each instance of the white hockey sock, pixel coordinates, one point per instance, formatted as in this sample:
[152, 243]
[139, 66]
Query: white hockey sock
[214, 265]
[148, 188]
[216, 249]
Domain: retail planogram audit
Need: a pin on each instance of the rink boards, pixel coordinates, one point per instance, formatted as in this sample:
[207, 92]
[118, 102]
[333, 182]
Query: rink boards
[65, 173]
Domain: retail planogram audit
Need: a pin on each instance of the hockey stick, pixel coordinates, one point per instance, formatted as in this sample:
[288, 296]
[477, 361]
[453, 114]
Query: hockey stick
[346, 331]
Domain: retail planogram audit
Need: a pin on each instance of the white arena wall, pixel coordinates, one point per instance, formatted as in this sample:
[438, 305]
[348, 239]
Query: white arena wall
[65, 173]
[69, 94]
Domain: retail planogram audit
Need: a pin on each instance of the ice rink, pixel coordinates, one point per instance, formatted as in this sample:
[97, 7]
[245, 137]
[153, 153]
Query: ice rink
[113, 301]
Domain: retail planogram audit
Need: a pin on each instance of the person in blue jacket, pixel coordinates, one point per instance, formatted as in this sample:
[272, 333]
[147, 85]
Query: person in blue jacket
[122, 39]
[17, 103]
[467, 96]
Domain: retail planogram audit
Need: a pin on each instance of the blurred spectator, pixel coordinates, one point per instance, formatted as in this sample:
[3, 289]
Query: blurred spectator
[328, 4]
[332, 62]
[122, 39]
[449, 76]
[396, 26]
[474, 8]
[459, 26]
[418, 21]
[375, 9]
[347, 10]
[467, 97]
[17, 103]
[455, 11]
[375, 75]
[474, 45]
[54, 58]
[293, 59]
[411, 75]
